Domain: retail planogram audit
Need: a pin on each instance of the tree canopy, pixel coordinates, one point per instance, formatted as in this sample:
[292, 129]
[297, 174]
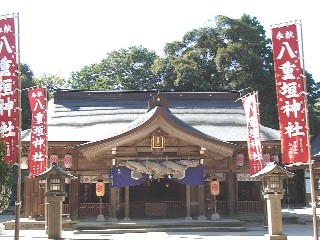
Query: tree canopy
[27, 81]
[230, 55]
[234, 54]
[124, 69]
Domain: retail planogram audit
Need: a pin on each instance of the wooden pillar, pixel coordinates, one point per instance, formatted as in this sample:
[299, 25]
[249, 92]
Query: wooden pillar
[188, 202]
[232, 194]
[35, 207]
[41, 197]
[113, 204]
[127, 206]
[74, 204]
[27, 197]
[201, 209]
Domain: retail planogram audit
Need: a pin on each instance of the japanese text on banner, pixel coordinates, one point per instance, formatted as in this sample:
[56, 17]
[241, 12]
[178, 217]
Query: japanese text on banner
[9, 114]
[290, 94]
[250, 105]
[38, 143]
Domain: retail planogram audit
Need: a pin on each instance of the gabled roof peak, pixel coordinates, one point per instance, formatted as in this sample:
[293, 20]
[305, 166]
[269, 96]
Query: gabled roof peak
[157, 100]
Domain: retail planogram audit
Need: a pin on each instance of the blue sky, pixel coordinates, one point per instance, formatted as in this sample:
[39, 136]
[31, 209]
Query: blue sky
[61, 36]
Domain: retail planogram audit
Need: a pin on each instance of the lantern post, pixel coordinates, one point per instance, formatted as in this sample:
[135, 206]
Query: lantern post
[215, 190]
[272, 179]
[55, 194]
[100, 190]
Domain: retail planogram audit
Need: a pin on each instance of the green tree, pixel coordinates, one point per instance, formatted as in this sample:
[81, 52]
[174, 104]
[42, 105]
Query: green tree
[189, 65]
[6, 171]
[128, 69]
[233, 54]
[91, 77]
[313, 89]
[245, 62]
[27, 82]
[51, 82]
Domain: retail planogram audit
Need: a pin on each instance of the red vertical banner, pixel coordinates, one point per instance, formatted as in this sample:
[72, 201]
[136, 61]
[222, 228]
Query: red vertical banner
[38, 142]
[290, 94]
[250, 105]
[9, 113]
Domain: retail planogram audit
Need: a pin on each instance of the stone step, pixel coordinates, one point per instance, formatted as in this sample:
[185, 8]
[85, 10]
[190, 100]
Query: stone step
[163, 226]
[161, 229]
[26, 224]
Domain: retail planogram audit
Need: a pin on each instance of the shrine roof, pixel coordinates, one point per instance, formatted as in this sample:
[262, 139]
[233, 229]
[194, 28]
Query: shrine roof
[95, 115]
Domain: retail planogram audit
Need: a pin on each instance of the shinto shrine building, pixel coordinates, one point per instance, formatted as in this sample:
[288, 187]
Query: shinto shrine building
[156, 152]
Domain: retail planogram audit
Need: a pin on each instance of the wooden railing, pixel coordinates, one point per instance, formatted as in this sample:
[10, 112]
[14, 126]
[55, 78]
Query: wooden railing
[250, 206]
[65, 209]
[93, 209]
[222, 207]
[172, 208]
[161, 209]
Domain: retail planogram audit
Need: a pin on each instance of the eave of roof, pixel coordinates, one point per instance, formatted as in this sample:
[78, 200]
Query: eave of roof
[150, 121]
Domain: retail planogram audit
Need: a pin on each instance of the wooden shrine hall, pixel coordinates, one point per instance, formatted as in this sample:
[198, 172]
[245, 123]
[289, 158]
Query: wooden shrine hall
[156, 153]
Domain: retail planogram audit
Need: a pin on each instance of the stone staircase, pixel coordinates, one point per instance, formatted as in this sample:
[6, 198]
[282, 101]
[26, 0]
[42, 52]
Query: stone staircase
[163, 225]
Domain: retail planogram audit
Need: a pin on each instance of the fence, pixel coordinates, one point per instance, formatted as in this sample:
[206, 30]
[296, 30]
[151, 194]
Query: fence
[164, 209]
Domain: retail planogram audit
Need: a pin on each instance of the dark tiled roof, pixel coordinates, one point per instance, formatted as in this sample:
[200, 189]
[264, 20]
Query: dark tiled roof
[96, 115]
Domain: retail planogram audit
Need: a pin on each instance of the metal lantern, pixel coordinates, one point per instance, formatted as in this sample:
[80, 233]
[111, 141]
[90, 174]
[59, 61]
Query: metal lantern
[24, 162]
[240, 159]
[275, 158]
[54, 158]
[100, 188]
[266, 158]
[67, 160]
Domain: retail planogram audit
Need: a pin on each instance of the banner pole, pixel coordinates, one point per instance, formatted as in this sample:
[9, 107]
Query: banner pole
[18, 202]
[312, 180]
[47, 165]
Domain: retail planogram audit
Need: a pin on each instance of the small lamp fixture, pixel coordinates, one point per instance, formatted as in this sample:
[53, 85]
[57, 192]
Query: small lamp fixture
[266, 158]
[240, 159]
[100, 188]
[67, 160]
[53, 158]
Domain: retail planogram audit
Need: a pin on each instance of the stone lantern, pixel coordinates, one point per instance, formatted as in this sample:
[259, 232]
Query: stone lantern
[272, 180]
[55, 194]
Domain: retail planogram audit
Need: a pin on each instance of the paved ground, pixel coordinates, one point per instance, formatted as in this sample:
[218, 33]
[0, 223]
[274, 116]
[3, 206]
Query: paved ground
[255, 231]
